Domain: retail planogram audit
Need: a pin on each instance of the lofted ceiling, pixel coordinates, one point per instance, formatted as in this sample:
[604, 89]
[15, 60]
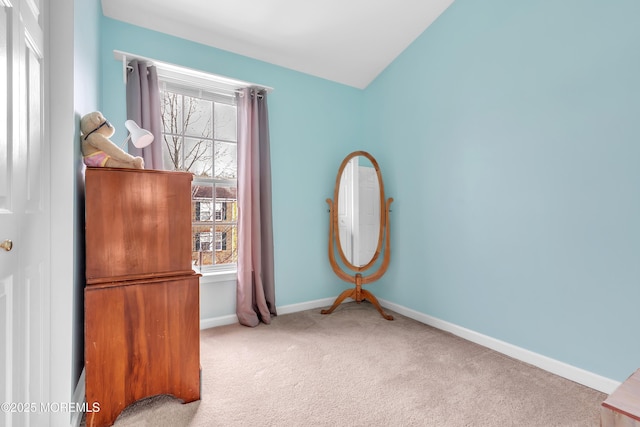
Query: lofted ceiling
[346, 41]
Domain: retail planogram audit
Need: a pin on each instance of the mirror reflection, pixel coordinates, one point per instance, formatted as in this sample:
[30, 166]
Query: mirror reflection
[358, 211]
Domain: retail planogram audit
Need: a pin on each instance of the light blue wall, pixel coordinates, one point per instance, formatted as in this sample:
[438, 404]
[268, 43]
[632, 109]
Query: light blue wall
[509, 135]
[314, 123]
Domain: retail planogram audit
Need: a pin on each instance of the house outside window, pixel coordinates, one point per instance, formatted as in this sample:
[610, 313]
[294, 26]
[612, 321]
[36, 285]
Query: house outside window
[200, 136]
[221, 241]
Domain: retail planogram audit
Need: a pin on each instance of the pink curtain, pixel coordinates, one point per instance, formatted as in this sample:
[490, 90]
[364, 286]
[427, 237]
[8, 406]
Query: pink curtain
[255, 294]
[143, 107]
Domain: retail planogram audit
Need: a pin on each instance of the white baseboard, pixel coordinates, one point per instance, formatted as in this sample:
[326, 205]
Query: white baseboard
[78, 400]
[230, 319]
[309, 305]
[212, 322]
[556, 367]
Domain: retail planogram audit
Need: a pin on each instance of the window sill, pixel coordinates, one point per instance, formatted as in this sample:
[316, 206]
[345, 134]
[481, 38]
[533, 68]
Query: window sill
[219, 276]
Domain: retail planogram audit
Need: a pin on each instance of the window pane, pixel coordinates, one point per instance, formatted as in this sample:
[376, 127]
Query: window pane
[171, 110]
[198, 156]
[226, 202]
[219, 240]
[226, 160]
[215, 246]
[172, 152]
[226, 122]
[202, 205]
[220, 211]
[227, 248]
[203, 245]
[197, 117]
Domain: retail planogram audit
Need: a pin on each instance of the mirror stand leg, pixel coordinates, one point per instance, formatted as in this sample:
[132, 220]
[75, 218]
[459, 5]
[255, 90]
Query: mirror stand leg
[344, 295]
[373, 300]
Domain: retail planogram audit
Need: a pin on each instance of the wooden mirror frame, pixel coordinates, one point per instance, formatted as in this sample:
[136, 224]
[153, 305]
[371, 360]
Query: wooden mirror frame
[357, 293]
[336, 197]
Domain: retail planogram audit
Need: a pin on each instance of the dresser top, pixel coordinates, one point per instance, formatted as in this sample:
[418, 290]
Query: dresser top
[137, 171]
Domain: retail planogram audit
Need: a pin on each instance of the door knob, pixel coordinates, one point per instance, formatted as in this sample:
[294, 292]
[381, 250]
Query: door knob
[6, 245]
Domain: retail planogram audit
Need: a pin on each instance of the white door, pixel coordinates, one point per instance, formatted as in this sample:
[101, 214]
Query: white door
[24, 216]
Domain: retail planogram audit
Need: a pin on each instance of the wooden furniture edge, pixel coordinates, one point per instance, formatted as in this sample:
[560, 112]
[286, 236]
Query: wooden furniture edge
[105, 282]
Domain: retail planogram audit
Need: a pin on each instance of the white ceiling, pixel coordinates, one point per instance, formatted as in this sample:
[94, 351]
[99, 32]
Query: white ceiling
[346, 41]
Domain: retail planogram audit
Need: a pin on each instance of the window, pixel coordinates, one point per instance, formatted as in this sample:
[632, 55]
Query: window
[199, 136]
[221, 241]
[221, 211]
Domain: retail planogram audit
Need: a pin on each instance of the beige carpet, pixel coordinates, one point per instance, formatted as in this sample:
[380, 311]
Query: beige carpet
[353, 368]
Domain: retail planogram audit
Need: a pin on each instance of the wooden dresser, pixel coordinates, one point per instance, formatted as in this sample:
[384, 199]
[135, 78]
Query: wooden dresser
[142, 317]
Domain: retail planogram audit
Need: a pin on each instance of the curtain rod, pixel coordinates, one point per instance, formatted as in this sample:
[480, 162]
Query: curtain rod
[228, 82]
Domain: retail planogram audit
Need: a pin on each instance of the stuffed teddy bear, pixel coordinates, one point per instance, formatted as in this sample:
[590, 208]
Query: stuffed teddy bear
[97, 148]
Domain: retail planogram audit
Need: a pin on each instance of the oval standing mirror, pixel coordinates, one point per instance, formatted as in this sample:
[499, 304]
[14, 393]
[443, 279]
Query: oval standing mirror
[358, 226]
[360, 201]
